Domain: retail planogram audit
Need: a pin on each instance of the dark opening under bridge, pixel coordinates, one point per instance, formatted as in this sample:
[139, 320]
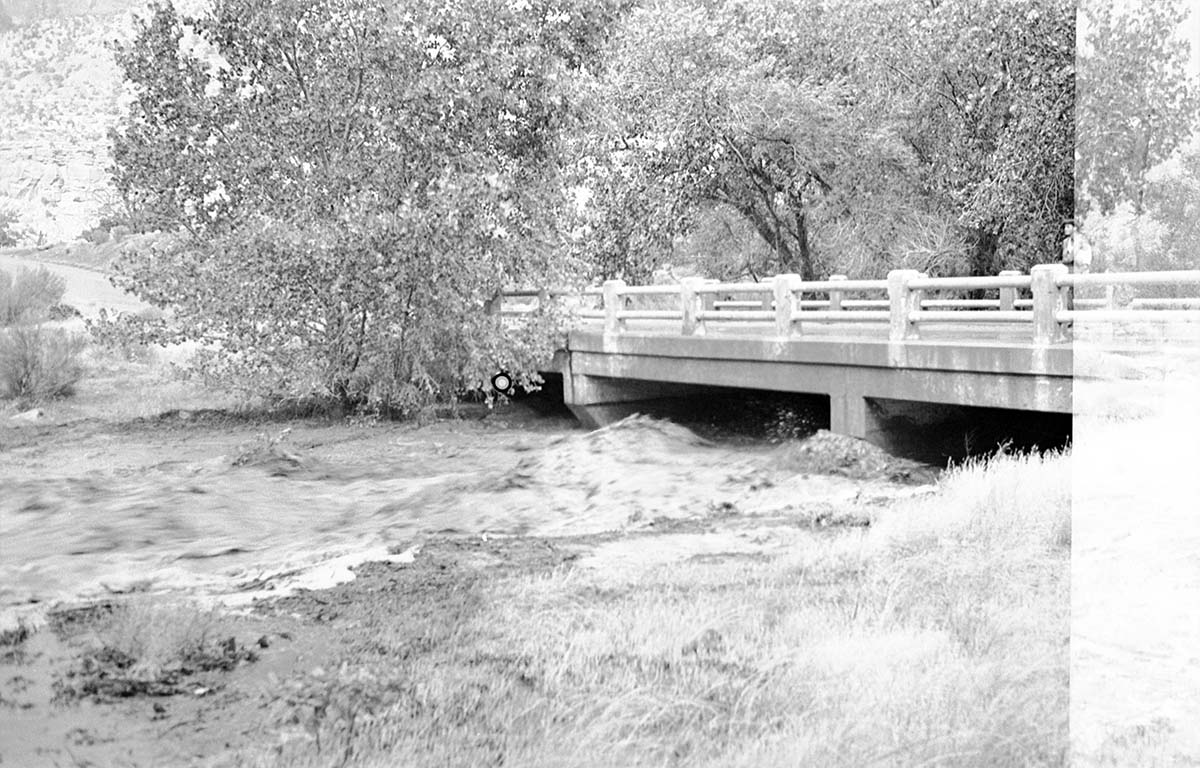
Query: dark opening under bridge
[867, 345]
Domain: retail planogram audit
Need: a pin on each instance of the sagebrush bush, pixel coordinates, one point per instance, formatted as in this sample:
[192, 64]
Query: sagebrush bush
[10, 229]
[28, 295]
[39, 363]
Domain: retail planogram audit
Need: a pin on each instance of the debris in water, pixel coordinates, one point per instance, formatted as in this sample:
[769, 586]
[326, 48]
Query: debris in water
[831, 454]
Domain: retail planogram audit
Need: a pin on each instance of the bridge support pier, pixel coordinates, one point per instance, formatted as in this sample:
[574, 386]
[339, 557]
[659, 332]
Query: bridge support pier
[849, 415]
[854, 415]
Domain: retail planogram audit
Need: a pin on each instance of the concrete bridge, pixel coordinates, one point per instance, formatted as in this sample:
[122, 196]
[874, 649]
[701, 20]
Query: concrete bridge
[877, 349]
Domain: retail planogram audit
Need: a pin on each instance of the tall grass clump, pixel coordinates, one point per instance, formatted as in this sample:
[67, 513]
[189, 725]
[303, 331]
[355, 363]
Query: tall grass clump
[989, 503]
[153, 646]
[158, 636]
[985, 563]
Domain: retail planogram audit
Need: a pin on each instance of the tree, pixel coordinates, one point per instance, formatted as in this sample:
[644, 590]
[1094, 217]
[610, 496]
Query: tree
[1172, 208]
[995, 123]
[11, 232]
[1137, 100]
[738, 105]
[350, 181]
[852, 137]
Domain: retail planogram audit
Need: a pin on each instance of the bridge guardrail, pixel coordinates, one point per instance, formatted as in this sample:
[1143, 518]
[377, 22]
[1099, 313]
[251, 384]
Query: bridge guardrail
[1049, 308]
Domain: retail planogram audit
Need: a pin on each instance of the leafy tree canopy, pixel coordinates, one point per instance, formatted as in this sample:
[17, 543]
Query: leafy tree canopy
[851, 136]
[351, 180]
[1138, 99]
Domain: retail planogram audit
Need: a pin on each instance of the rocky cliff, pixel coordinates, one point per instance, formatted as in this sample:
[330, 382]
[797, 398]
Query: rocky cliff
[60, 93]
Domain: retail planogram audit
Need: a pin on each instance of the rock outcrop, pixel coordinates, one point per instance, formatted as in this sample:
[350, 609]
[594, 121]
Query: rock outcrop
[60, 90]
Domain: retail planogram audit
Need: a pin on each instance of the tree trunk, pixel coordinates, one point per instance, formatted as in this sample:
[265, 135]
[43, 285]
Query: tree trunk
[805, 267]
[789, 243]
[984, 259]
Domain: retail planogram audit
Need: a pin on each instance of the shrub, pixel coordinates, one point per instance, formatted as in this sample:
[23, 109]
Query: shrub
[39, 363]
[151, 647]
[96, 235]
[360, 278]
[10, 231]
[28, 295]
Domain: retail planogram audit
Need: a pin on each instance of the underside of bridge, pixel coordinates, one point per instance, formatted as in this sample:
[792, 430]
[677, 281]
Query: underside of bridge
[930, 432]
[930, 402]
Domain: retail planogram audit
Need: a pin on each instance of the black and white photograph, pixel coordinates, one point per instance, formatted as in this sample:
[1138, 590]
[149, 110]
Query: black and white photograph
[600, 383]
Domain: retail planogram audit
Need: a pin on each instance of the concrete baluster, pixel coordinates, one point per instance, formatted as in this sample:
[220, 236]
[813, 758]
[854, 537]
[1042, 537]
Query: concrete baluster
[903, 302]
[543, 298]
[613, 303]
[690, 303]
[785, 303]
[1048, 300]
[835, 295]
[1008, 296]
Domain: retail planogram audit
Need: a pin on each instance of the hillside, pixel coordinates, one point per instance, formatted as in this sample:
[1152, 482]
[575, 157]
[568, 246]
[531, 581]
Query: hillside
[59, 88]
[60, 92]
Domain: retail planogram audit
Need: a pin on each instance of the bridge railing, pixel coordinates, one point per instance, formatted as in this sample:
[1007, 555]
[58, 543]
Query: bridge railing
[1045, 301]
[1114, 307]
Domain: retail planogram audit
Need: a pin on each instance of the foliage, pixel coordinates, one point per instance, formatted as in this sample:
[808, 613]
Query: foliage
[150, 647]
[724, 246]
[1138, 98]
[39, 364]
[1122, 238]
[995, 126]
[28, 295]
[1172, 198]
[621, 223]
[351, 182]
[1164, 232]
[10, 230]
[850, 137]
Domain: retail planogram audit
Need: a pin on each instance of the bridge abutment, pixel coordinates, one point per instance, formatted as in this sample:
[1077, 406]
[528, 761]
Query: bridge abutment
[597, 400]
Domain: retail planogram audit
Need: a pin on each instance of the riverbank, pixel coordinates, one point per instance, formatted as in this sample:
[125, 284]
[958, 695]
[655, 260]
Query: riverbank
[523, 592]
[200, 585]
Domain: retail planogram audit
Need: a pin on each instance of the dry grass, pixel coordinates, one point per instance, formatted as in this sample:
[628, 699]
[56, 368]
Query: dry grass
[939, 638]
[158, 635]
[115, 388]
[151, 646]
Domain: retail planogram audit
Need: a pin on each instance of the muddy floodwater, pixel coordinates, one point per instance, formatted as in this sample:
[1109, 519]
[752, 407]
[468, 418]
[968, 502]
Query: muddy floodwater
[220, 509]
